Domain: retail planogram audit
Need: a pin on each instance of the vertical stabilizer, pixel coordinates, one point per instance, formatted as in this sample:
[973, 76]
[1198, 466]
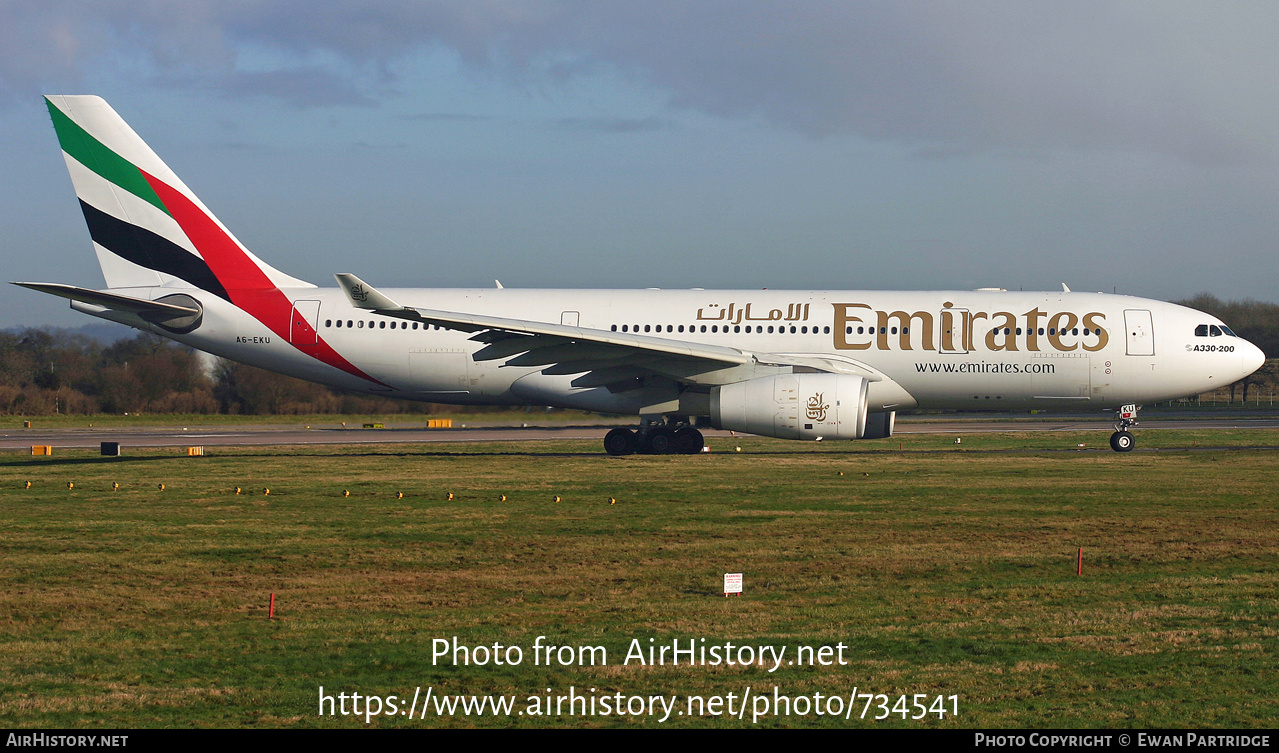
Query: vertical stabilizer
[147, 227]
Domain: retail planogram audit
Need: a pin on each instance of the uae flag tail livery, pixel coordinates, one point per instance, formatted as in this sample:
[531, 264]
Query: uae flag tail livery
[152, 234]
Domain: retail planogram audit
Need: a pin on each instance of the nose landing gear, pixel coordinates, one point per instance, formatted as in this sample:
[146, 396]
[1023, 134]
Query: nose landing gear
[1122, 440]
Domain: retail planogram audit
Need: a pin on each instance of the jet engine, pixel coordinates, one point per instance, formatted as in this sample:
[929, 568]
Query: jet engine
[794, 406]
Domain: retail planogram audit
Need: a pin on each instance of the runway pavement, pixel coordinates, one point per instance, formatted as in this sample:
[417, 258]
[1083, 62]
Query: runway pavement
[22, 439]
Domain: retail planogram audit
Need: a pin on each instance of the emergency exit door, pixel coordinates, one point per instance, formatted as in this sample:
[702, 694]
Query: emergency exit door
[304, 323]
[1139, 332]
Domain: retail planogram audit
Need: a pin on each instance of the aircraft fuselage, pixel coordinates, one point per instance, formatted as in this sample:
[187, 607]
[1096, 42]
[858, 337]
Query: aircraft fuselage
[946, 349]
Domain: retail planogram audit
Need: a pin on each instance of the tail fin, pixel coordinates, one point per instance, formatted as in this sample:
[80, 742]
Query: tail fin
[148, 228]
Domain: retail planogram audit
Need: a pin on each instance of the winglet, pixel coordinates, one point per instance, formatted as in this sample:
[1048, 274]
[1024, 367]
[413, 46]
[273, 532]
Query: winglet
[364, 296]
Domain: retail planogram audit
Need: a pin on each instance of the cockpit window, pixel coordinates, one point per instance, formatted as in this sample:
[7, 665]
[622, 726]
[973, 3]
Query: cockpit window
[1213, 330]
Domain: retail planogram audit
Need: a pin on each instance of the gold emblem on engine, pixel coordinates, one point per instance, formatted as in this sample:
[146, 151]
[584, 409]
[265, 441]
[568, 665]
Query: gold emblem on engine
[816, 408]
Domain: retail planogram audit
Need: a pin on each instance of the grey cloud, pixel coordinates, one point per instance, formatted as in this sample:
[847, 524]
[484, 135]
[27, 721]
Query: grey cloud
[365, 146]
[301, 88]
[446, 117]
[614, 125]
[1188, 79]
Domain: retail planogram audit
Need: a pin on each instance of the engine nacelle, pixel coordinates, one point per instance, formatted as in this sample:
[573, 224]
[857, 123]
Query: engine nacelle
[793, 406]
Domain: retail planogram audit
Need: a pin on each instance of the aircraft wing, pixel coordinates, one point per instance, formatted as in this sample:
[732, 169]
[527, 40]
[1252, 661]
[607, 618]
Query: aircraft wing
[604, 358]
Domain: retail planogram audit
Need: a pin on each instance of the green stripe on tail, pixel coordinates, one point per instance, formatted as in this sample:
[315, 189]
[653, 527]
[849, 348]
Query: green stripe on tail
[95, 155]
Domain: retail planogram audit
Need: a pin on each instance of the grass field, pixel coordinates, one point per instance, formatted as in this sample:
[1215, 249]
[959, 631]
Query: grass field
[942, 570]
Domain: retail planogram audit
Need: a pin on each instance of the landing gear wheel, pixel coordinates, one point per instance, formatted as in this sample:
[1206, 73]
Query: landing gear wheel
[688, 441]
[620, 442]
[661, 441]
[1122, 441]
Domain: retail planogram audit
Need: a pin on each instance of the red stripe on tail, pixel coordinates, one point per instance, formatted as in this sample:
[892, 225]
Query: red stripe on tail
[250, 289]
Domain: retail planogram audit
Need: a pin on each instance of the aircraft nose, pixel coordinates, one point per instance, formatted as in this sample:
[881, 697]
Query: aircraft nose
[1251, 357]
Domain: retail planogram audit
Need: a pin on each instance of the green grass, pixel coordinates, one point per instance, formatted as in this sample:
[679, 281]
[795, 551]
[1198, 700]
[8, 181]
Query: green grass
[942, 569]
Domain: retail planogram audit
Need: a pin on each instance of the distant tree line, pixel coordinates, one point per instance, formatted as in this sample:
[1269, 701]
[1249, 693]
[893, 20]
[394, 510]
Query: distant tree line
[46, 371]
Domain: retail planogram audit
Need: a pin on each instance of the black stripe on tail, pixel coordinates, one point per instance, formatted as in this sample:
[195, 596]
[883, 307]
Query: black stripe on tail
[146, 249]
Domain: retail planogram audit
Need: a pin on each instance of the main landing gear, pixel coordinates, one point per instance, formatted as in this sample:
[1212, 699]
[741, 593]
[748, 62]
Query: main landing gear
[1122, 440]
[654, 439]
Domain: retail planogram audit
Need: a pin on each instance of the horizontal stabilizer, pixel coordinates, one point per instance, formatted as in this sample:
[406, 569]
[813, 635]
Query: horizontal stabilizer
[111, 300]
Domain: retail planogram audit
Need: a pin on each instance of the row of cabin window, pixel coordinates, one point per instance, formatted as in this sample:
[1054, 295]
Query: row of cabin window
[1202, 330]
[1051, 331]
[716, 329]
[995, 331]
[359, 324]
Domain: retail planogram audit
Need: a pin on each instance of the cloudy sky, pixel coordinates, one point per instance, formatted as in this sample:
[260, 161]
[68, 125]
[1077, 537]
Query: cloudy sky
[1107, 145]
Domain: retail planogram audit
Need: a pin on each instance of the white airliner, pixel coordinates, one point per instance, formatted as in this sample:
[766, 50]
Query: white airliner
[792, 364]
